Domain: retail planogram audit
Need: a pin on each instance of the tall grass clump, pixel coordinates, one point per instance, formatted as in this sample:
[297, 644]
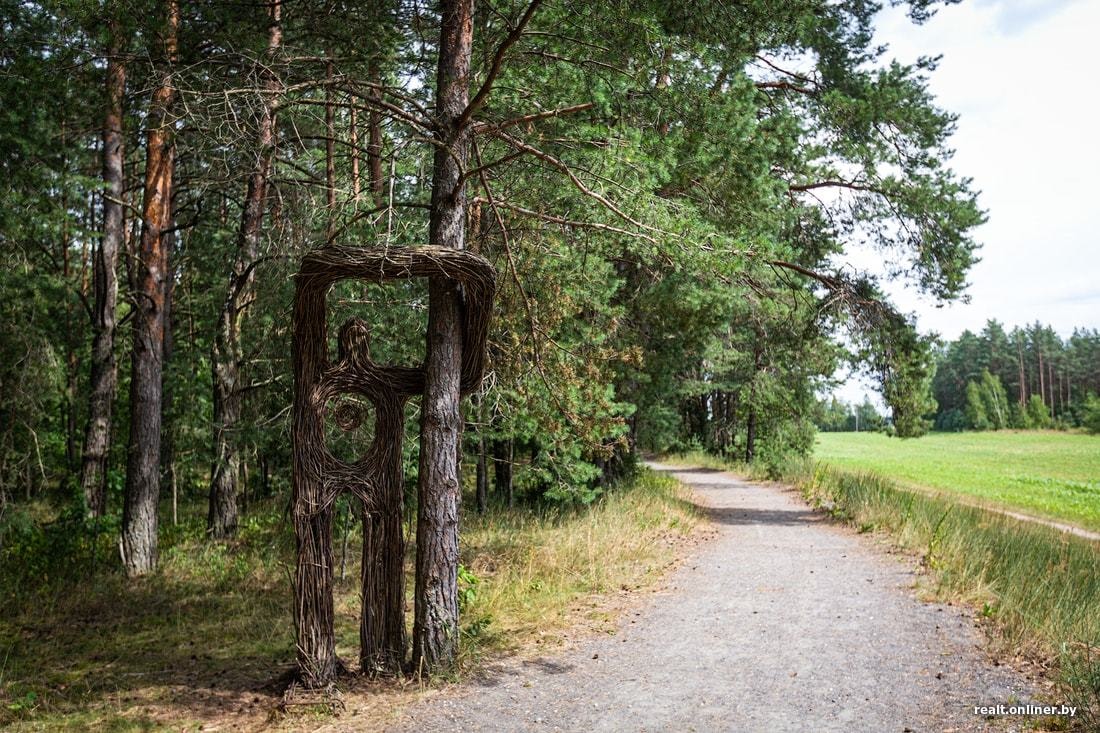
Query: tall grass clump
[531, 572]
[1040, 586]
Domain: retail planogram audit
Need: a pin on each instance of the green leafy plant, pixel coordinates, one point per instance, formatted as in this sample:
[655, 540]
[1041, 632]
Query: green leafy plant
[467, 587]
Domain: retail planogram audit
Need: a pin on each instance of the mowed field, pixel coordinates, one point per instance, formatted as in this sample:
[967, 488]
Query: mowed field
[1043, 473]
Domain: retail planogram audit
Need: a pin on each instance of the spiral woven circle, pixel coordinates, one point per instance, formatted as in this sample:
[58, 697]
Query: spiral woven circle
[348, 416]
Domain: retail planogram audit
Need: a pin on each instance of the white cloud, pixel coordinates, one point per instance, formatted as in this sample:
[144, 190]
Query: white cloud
[1020, 75]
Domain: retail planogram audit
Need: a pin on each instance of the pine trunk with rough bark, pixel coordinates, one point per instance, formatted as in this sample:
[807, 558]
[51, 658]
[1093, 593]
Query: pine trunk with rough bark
[139, 517]
[374, 138]
[435, 628]
[104, 369]
[226, 358]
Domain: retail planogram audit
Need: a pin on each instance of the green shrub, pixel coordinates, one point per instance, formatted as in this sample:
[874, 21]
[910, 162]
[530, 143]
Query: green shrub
[1090, 415]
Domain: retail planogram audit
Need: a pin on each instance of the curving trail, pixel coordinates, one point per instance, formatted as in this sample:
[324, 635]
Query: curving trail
[783, 622]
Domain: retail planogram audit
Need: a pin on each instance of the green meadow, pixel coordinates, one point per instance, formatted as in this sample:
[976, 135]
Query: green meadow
[1044, 473]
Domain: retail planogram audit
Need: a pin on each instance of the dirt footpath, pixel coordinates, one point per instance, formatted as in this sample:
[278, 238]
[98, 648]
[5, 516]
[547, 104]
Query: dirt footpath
[784, 622]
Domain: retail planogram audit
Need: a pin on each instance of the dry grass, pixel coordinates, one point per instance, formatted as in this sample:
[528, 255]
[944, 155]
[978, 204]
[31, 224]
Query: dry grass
[208, 641]
[1038, 589]
[538, 573]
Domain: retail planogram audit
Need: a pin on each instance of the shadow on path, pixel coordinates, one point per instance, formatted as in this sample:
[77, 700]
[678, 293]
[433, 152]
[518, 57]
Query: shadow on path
[766, 517]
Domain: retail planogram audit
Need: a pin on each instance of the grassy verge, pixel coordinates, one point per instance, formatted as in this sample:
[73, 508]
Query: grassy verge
[209, 638]
[539, 574]
[1039, 588]
[1044, 473]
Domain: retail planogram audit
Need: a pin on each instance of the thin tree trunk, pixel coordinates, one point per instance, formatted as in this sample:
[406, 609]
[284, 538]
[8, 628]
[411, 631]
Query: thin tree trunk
[1050, 385]
[435, 628]
[226, 359]
[1023, 376]
[353, 131]
[330, 150]
[750, 435]
[72, 365]
[374, 140]
[482, 474]
[167, 460]
[502, 468]
[750, 432]
[1042, 381]
[139, 518]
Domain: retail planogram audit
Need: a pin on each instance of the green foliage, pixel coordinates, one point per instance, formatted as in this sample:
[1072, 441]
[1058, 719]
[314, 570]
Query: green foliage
[1038, 415]
[668, 272]
[1033, 365]
[467, 587]
[1090, 414]
[976, 416]
[905, 371]
[986, 403]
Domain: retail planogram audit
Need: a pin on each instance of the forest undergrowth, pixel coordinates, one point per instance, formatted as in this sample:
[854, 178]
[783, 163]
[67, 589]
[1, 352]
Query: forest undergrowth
[210, 637]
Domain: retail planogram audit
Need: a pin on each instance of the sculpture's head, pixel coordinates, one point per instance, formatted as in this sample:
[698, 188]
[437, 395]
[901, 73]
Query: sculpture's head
[354, 341]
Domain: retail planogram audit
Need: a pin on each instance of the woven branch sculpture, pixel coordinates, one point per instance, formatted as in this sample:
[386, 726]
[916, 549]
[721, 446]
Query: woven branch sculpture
[376, 479]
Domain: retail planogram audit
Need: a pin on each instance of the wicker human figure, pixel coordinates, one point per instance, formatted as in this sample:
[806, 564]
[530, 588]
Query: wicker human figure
[382, 624]
[376, 479]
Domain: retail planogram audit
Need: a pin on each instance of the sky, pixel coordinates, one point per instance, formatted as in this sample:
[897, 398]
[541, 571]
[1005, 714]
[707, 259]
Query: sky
[1020, 75]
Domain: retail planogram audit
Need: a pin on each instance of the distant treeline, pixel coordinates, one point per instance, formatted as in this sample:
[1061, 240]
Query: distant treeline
[833, 415]
[1026, 378]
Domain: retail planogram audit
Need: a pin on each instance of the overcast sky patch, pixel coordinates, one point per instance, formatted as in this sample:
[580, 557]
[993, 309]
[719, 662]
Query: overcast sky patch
[1018, 73]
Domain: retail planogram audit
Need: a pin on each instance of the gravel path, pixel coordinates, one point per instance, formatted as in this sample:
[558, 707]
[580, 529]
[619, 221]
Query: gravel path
[783, 622]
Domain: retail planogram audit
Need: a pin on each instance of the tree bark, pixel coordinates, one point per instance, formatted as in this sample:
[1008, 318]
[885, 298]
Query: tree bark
[167, 460]
[330, 149]
[750, 432]
[1023, 376]
[1042, 379]
[435, 628]
[374, 138]
[104, 369]
[482, 475]
[227, 357]
[139, 518]
[502, 468]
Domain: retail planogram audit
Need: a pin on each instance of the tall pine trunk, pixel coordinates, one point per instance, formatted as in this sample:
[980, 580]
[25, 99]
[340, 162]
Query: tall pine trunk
[1023, 377]
[482, 473]
[435, 628]
[104, 369]
[226, 358]
[139, 518]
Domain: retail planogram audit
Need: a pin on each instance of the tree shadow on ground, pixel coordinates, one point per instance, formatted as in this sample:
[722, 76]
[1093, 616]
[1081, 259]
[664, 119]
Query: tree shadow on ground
[689, 469]
[738, 516]
[208, 638]
[154, 650]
